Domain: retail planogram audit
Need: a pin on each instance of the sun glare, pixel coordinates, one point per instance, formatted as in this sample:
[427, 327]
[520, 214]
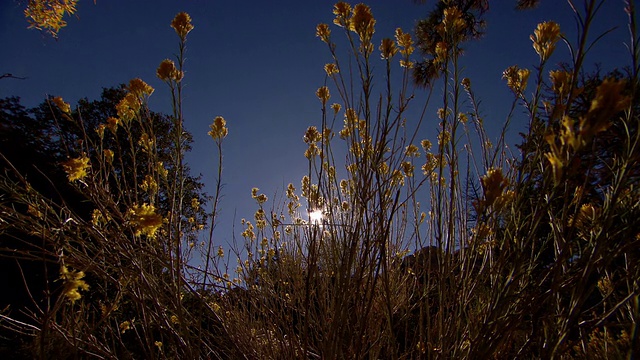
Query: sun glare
[315, 216]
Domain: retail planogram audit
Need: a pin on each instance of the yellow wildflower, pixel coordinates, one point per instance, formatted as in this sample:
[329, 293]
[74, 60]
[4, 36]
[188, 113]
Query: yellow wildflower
[162, 171]
[331, 69]
[182, 24]
[493, 185]
[195, 203]
[397, 178]
[73, 283]
[100, 130]
[544, 38]
[404, 41]
[97, 218]
[108, 155]
[560, 82]
[145, 220]
[167, 71]
[312, 135]
[336, 108]
[76, 169]
[128, 107]
[47, 14]
[452, 22]
[516, 78]
[158, 344]
[362, 22]
[220, 252]
[149, 184]
[61, 104]
[323, 94]
[140, 88]
[323, 32]
[412, 151]
[147, 143]
[557, 165]
[112, 124]
[218, 128]
[388, 49]
[466, 83]
[443, 138]
[407, 168]
[342, 11]
[124, 326]
[606, 104]
[442, 52]
[426, 145]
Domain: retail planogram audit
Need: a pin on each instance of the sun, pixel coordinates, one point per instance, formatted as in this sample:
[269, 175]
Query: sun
[315, 216]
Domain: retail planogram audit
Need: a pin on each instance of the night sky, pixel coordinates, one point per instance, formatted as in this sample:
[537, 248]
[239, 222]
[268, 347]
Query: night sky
[258, 64]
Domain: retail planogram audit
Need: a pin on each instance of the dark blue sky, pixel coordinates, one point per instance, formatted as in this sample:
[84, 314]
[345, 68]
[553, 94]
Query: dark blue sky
[258, 64]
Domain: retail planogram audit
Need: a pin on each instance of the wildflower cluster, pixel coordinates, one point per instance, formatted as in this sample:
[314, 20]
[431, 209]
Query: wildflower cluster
[77, 168]
[145, 220]
[219, 128]
[72, 283]
[544, 39]
[48, 14]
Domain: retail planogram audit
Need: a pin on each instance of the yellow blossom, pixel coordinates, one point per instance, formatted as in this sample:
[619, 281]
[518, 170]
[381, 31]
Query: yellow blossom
[493, 185]
[404, 41]
[162, 171]
[560, 82]
[108, 155]
[323, 32]
[336, 108]
[544, 38]
[73, 283]
[112, 124]
[407, 64]
[100, 130]
[466, 83]
[167, 71]
[397, 178]
[218, 128]
[76, 169]
[124, 326]
[147, 143]
[97, 218]
[312, 135]
[140, 88]
[608, 101]
[145, 220]
[63, 106]
[220, 252]
[342, 11]
[388, 49]
[557, 165]
[442, 52]
[452, 22]
[323, 94]
[412, 151]
[407, 168]
[158, 344]
[443, 138]
[47, 15]
[516, 78]
[195, 203]
[149, 184]
[128, 107]
[426, 145]
[362, 22]
[182, 24]
[331, 69]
